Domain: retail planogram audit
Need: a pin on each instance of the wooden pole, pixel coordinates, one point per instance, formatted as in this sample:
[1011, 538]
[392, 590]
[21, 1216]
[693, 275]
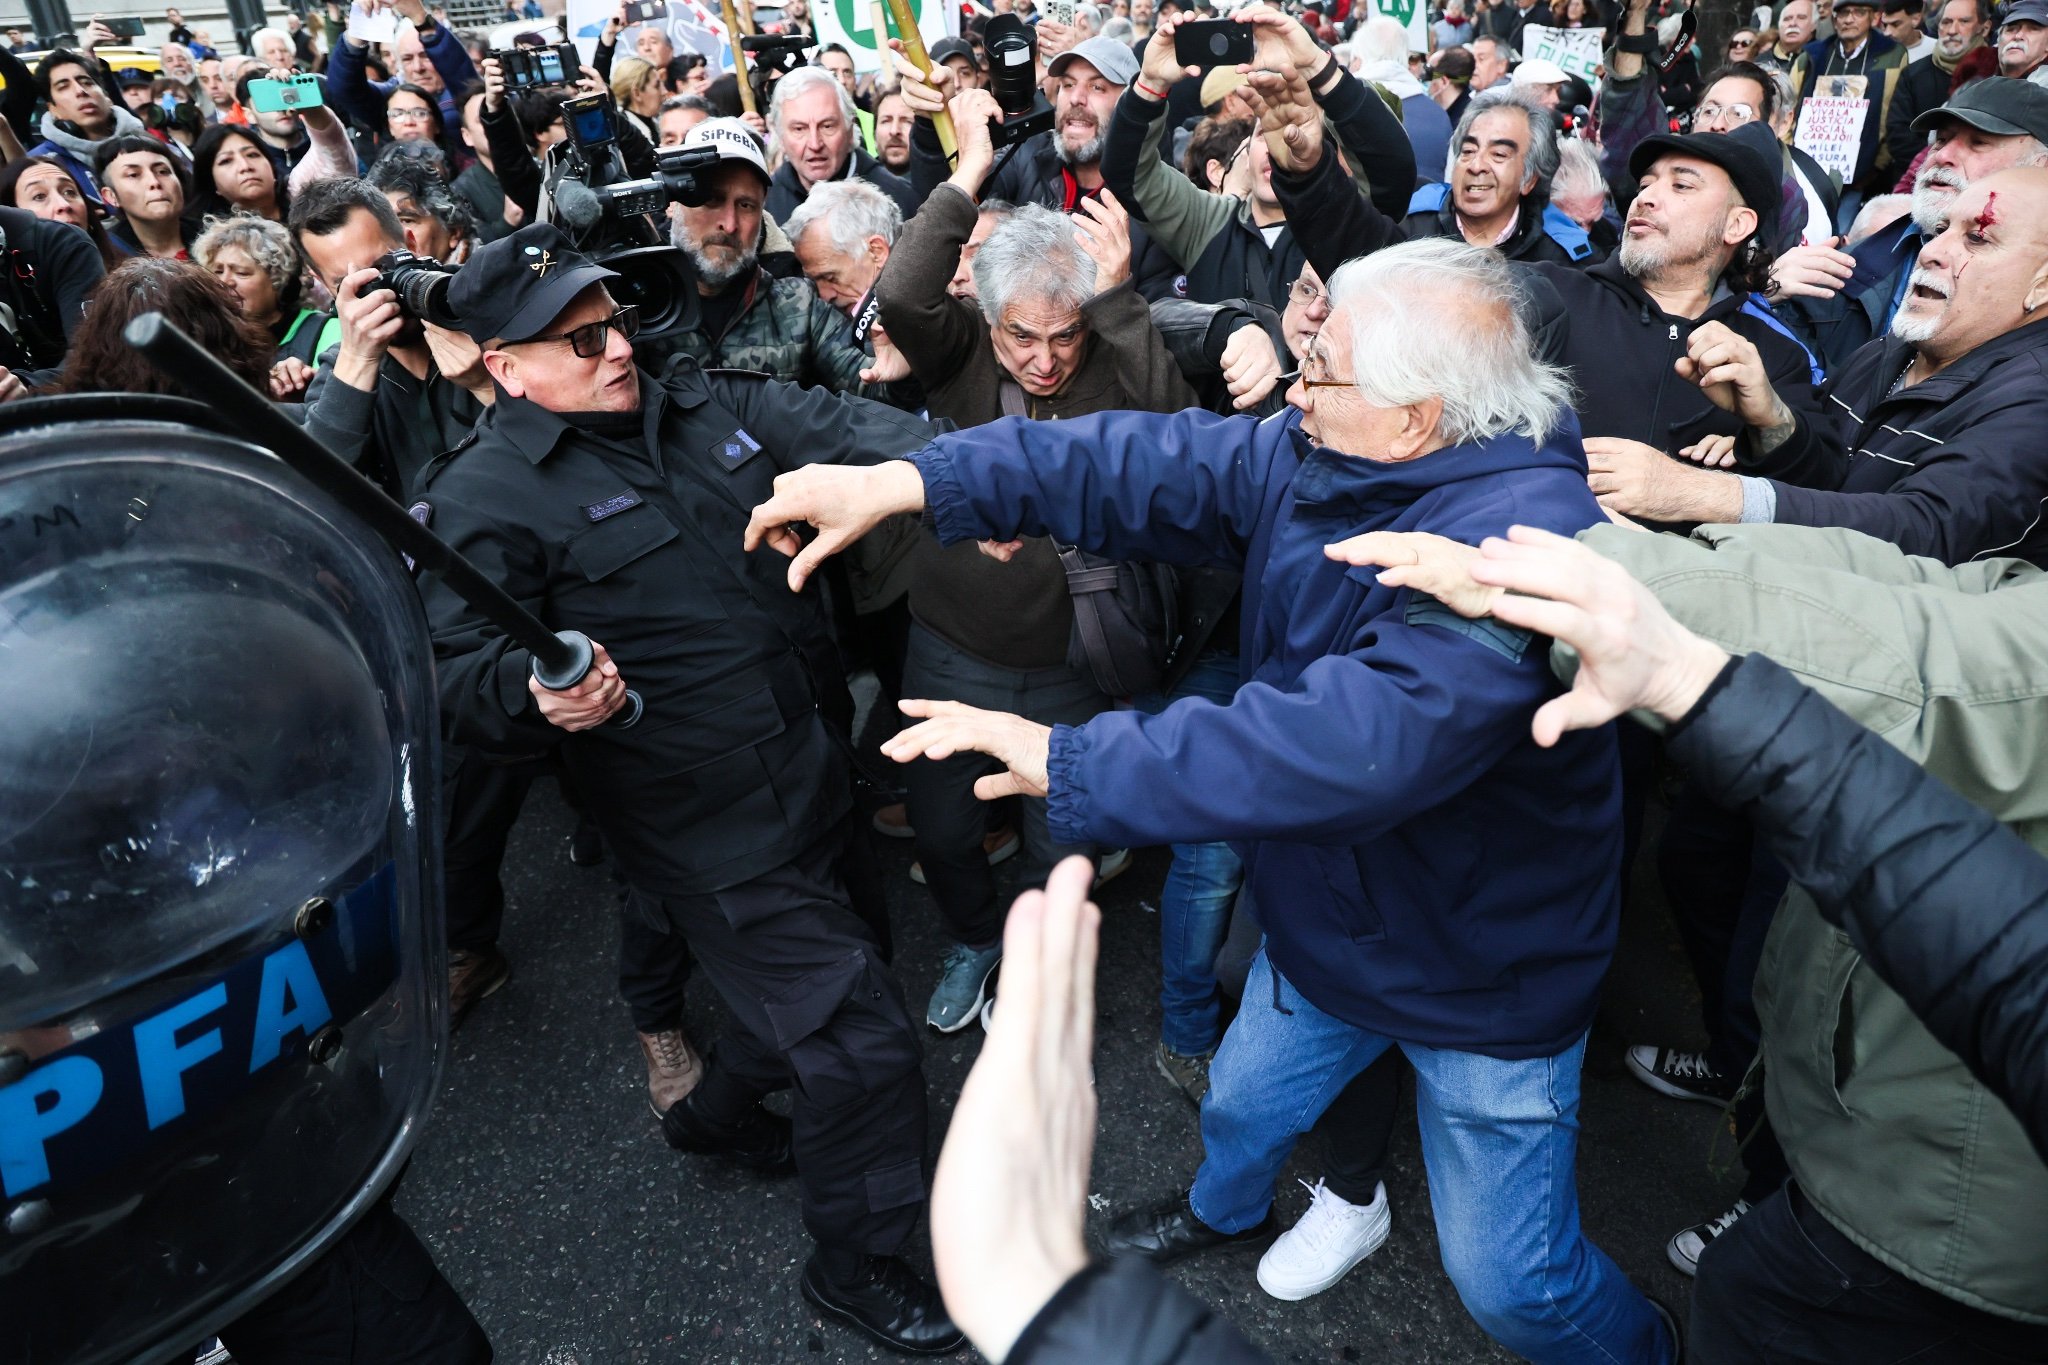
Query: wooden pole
[913, 48]
[730, 15]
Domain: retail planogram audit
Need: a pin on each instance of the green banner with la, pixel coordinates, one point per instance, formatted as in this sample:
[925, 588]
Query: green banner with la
[851, 24]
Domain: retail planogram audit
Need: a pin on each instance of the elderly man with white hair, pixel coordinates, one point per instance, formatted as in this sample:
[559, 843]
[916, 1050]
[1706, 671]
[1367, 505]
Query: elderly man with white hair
[1399, 823]
[842, 235]
[818, 125]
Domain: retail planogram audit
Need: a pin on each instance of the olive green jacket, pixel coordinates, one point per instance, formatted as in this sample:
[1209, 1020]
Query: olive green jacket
[1888, 1134]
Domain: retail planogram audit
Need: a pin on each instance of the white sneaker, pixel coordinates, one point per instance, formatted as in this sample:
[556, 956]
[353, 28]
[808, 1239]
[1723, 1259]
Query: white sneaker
[1320, 1250]
[1684, 1249]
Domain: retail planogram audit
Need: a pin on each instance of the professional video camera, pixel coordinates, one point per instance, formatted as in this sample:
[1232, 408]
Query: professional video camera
[617, 221]
[1012, 78]
[770, 57]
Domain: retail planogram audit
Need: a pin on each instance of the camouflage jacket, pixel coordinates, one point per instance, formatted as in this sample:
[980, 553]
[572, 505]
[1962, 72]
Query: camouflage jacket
[785, 331]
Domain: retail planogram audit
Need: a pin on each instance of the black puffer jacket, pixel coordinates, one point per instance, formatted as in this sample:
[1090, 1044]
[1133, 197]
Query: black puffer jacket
[1953, 467]
[1127, 1312]
[1948, 905]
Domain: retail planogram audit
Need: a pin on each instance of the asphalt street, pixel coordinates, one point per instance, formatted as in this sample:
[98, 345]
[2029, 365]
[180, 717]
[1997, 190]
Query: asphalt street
[578, 1237]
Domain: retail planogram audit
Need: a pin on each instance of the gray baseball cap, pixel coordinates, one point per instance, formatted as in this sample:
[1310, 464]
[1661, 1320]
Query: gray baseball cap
[1114, 60]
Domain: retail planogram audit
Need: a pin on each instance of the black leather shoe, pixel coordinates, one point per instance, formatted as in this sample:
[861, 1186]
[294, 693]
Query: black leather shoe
[760, 1142]
[586, 845]
[1166, 1232]
[889, 1304]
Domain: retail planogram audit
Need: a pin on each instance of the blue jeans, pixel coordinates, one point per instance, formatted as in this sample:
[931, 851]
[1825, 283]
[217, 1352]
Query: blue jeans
[1194, 906]
[1499, 1142]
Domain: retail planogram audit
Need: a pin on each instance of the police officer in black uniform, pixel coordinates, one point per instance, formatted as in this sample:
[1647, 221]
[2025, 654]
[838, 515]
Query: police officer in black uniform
[615, 503]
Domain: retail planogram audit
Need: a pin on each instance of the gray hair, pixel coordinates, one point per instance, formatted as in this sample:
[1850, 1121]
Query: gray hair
[1032, 254]
[1477, 355]
[1120, 30]
[1578, 169]
[1381, 39]
[268, 244]
[802, 81]
[1090, 17]
[850, 211]
[1543, 153]
[256, 37]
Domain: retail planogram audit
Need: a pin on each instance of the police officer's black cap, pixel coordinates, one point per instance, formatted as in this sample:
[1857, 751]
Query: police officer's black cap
[1749, 154]
[1998, 105]
[515, 288]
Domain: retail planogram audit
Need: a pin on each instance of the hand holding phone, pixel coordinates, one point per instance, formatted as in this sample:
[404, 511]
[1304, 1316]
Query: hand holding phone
[645, 11]
[1212, 42]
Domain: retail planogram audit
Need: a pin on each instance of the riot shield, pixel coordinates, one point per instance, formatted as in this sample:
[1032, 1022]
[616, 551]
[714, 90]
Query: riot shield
[221, 957]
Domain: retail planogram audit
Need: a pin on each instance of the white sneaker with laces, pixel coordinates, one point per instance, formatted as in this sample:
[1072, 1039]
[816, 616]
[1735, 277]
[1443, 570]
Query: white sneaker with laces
[1684, 1249]
[1320, 1250]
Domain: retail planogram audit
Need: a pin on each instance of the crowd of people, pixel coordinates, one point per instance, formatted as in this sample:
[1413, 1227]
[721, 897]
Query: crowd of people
[1194, 458]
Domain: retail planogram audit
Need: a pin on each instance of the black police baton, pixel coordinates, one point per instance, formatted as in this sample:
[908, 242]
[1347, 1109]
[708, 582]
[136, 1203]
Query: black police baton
[560, 658]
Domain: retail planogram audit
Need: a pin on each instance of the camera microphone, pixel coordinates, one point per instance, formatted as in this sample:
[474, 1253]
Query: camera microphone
[576, 206]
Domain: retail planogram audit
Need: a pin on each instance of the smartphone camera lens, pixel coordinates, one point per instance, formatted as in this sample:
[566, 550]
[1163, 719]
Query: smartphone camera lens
[1219, 44]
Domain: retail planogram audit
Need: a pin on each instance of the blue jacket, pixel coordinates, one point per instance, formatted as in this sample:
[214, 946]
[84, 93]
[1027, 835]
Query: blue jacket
[1420, 867]
[350, 89]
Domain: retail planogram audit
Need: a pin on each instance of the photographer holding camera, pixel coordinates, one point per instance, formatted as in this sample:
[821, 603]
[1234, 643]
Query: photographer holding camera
[398, 390]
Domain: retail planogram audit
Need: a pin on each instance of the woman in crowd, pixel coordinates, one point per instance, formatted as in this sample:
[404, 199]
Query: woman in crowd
[203, 308]
[1581, 14]
[636, 85]
[1743, 45]
[232, 172]
[413, 115]
[257, 262]
[44, 188]
[696, 73]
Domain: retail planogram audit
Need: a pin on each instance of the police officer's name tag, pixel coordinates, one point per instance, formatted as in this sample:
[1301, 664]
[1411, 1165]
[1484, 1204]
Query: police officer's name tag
[735, 450]
[611, 506]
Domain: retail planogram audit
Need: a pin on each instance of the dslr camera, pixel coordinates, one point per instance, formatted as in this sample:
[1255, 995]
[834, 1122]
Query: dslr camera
[421, 284]
[1012, 78]
[770, 57]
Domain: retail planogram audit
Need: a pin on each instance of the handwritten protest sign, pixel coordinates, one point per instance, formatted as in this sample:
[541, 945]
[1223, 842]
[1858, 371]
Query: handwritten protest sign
[1577, 50]
[1831, 124]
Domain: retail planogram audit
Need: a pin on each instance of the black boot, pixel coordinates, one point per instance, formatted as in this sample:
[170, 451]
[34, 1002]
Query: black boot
[885, 1300]
[760, 1142]
[1166, 1232]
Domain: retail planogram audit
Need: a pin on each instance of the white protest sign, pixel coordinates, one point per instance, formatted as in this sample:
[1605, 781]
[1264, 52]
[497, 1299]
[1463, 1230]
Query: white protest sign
[1576, 50]
[1831, 131]
[851, 24]
[1412, 15]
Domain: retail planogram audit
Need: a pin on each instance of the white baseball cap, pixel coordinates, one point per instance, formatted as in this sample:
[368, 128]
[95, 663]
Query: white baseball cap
[1540, 71]
[732, 140]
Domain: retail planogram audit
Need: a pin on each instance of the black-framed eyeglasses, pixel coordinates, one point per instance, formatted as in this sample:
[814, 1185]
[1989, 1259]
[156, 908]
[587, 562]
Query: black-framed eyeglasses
[588, 341]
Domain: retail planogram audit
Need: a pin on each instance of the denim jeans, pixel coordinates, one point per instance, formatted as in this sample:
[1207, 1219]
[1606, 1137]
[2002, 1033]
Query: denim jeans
[1194, 905]
[1499, 1142]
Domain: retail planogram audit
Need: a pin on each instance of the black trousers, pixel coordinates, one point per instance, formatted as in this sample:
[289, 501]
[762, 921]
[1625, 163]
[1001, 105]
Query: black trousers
[374, 1298]
[939, 793]
[816, 1010]
[1785, 1285]
[480, 801]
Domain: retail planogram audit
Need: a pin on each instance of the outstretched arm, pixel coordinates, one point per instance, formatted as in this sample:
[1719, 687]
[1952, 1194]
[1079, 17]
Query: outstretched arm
[1181, 489]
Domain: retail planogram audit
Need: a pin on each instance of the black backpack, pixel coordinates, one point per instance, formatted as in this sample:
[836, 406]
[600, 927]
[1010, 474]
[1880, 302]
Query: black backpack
[1126, 620]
